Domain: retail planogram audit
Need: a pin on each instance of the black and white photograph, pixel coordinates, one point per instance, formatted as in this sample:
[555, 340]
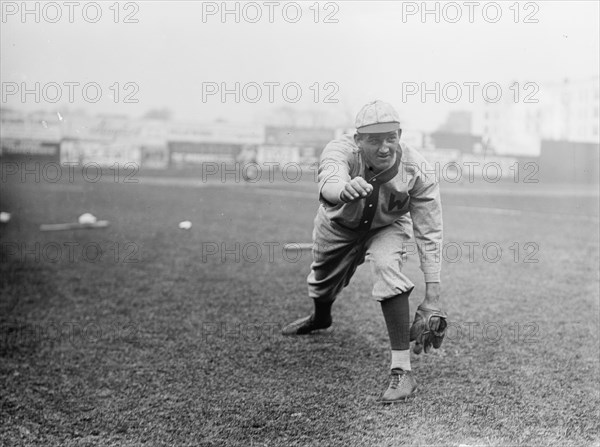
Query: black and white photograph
[300, 223]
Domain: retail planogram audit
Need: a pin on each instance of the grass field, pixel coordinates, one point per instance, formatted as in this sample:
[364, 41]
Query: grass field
[141, 334]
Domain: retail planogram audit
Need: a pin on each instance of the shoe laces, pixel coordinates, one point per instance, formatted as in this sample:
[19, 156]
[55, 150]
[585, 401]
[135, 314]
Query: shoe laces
[398, 378]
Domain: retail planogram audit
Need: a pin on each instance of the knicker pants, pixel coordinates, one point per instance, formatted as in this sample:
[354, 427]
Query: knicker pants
[338, 251]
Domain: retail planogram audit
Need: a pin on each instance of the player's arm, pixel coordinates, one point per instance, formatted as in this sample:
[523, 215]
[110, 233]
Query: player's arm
[335, 183]
[346, 192]
[432, 294]
[426, 214]
[429, 325]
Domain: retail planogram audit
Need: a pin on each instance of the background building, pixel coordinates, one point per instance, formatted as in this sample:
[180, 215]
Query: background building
[529, 113]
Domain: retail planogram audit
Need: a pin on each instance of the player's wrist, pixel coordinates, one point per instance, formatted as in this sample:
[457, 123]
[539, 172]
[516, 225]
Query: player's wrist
[332, 191]
[432, 293]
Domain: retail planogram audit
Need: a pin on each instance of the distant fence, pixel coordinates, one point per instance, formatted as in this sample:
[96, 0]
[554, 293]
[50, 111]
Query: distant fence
[569, 162]
[559, 161]
[28, 149]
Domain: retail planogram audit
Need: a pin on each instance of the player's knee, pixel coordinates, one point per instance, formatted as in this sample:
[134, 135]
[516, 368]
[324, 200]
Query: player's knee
[383, 263]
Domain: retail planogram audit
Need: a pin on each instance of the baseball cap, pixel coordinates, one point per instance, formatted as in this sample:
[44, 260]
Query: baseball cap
[377, 117]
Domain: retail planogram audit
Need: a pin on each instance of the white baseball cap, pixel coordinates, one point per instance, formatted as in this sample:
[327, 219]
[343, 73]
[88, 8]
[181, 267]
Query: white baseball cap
[377, 117]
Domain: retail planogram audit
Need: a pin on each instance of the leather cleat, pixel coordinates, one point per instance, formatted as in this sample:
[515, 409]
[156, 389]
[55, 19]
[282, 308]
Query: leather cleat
[306, 325]
[402, 386]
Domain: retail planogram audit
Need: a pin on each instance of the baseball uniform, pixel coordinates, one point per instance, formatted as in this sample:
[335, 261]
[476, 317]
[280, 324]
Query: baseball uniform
[405, 200]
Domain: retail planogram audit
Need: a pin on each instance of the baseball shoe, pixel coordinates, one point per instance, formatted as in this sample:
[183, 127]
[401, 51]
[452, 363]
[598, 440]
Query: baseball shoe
[305, 326]
[402, 386]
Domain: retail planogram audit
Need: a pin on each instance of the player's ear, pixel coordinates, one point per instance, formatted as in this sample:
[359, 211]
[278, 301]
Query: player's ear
[357, 138]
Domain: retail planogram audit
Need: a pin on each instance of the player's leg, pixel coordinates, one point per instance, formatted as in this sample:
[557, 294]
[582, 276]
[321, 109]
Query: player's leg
[396, 314]
[336, 255]
[402, 382]
[319, 321]
[385, 251]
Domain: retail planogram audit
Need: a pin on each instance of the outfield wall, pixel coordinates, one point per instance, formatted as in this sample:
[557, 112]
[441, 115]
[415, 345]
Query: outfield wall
[12, 149]
[569, 162]
[164, 146]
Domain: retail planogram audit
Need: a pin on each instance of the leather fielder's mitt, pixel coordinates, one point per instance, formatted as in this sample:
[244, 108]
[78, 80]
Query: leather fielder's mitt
[428, 329]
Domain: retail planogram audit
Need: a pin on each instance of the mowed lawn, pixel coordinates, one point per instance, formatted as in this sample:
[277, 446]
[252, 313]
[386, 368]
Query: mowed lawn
[160, 341]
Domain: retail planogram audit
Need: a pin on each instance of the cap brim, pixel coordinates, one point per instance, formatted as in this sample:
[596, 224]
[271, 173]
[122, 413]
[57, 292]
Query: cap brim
[379, 128]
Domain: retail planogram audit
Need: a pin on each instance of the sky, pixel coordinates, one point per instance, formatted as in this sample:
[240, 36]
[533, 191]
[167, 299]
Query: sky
[175, 54]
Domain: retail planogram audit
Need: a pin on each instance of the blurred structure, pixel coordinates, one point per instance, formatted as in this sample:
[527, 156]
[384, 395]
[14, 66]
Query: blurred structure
[530, 113]
[574, 115]
[304, 144]
[464, 142]
[554, 125]
[35, 137]
[569, 162]
[191, 143]
[458, 121]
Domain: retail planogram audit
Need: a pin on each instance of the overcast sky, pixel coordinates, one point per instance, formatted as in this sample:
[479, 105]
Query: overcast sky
[375, 50]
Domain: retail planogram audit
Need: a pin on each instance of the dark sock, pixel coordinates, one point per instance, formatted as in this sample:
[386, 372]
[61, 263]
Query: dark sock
[397, 320]
[322, 314]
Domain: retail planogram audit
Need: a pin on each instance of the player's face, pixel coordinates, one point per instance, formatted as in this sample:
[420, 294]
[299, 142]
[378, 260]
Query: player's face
[378, 149]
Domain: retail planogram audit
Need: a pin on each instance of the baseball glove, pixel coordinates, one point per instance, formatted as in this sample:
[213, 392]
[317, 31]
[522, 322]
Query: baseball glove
[428, 329]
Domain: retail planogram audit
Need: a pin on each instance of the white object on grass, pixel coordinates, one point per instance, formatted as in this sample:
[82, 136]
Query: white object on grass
[87, 218]
[185, 225]
[4, 217]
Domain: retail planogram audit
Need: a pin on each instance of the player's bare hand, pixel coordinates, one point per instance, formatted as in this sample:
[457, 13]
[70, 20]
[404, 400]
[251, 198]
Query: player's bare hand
[356, 189]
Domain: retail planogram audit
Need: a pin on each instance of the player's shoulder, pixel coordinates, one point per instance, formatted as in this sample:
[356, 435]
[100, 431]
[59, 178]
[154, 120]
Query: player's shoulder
[344, 142]
[343, 146]
[413, 162]
[410, 154]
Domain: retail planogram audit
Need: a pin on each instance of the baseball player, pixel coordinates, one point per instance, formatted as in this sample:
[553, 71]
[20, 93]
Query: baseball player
[375, 192]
